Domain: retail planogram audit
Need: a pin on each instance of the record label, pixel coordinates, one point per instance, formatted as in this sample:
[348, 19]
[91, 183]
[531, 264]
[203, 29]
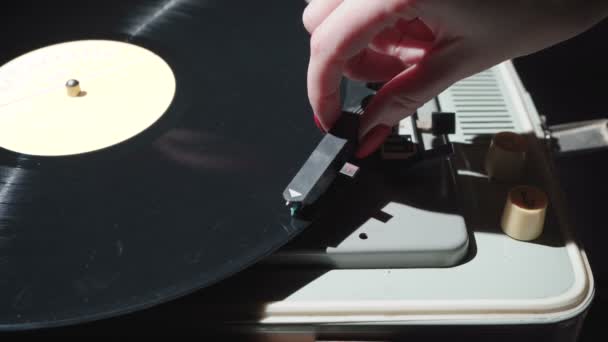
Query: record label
[81, 96]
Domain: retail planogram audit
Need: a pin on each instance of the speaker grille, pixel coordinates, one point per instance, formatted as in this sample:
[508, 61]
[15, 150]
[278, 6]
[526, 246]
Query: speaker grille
[481, 106]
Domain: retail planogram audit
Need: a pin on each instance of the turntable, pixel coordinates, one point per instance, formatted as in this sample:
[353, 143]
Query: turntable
[446, 247]
[145, 175]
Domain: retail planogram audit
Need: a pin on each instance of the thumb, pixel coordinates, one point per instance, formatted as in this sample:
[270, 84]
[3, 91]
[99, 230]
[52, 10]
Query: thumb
[408, 91]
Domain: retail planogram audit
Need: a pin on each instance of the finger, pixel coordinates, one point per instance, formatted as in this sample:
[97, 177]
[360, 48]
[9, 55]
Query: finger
[406, 41]
[408, 52]
[345, 33]
[416, 29]
[394, 49]
[371, 66]
[407, 92]
[316, 12]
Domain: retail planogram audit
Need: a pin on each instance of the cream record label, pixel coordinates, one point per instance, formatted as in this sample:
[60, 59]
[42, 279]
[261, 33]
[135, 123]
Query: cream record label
[120, 90]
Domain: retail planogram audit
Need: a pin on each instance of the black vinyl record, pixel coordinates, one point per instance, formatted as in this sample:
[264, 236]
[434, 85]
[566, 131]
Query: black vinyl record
[192, 200]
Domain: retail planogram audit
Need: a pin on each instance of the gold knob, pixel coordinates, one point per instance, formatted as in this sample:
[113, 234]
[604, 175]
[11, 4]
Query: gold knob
[524, 213]
[73, 88]
[506, 156]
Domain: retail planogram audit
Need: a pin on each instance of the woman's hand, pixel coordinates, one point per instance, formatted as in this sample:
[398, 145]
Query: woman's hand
[421, 47]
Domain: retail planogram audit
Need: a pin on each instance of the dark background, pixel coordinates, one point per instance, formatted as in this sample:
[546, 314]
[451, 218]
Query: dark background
[567, 83]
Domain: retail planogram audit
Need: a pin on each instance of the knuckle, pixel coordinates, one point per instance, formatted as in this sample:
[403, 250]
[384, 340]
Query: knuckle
[407, 103]
[307, 20]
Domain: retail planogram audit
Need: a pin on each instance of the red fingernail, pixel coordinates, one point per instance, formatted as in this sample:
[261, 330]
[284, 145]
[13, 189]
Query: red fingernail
[318, 123]
[373, 140]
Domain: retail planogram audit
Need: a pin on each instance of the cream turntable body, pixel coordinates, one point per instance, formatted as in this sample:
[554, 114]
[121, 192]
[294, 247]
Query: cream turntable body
[529, 273]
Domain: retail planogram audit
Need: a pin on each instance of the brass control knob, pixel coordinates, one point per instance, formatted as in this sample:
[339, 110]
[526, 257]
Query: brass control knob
[524, 213]
[506, 156]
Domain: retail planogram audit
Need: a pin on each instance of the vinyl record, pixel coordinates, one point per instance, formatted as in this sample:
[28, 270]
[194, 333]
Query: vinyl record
[163, 172]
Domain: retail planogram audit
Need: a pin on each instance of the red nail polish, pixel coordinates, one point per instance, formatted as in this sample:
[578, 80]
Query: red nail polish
[373, 140]
[318, 123]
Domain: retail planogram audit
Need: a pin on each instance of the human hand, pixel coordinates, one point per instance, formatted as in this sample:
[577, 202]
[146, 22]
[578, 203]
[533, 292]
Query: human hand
[421, 47]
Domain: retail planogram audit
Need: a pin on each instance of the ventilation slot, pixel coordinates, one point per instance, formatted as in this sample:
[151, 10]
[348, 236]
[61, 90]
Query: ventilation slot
[480, 106]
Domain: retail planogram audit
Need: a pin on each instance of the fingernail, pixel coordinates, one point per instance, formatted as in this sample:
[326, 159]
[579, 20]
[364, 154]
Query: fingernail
[372, 141]
[318, 123]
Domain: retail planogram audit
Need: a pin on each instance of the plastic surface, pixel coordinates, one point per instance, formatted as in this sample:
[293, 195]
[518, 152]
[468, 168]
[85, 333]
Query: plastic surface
[500, 281]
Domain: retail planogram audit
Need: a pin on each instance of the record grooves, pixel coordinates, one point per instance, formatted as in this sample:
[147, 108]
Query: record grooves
[191, 200]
